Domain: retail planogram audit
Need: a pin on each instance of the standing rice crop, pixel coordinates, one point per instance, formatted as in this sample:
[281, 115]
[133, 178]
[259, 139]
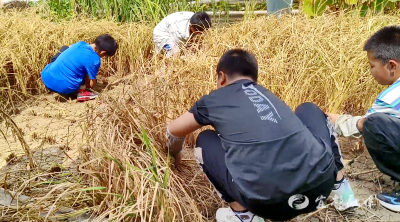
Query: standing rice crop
[125, 173]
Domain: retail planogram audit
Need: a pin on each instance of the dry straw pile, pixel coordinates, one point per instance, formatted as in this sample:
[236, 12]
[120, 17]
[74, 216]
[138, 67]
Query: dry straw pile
[125, 173]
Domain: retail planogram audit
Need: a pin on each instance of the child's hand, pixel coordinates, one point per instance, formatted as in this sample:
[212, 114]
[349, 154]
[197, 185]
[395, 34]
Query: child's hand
[333, 117]
[178, 158]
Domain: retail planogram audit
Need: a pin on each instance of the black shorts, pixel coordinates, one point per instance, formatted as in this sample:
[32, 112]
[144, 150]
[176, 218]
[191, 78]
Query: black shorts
[52, 59]
[211, 157]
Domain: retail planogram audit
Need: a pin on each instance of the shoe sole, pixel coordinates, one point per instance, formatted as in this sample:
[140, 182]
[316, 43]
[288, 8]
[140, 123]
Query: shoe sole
[86, 98]
[82, 99]
[390, 206]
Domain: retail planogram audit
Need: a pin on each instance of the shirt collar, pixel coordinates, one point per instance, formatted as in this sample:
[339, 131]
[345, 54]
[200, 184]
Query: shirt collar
[241, 81]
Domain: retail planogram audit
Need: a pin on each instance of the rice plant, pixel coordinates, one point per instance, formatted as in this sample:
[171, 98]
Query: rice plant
[120, 10]
[125, 173]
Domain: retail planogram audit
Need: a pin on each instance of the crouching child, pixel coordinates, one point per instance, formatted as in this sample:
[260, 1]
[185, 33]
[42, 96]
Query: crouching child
[74, 69]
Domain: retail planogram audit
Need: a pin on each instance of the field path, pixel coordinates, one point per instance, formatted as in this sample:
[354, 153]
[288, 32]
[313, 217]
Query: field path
[46, 121]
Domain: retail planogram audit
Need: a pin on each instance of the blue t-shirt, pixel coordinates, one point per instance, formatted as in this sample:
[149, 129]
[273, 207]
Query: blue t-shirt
[66, 74]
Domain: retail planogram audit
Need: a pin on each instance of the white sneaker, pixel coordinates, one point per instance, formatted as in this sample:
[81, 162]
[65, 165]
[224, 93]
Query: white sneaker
[343, 196]
[228, 215]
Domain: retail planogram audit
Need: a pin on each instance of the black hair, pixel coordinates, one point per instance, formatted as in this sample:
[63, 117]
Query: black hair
[385, 44]
[238, 62]
[106, 43]
[200, 21]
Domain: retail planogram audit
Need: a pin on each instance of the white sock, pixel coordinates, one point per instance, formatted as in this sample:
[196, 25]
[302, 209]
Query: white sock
[245, 216]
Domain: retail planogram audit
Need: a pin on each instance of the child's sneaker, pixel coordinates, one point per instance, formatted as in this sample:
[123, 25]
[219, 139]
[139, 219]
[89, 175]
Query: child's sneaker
[84, 95]
[343, 196]
[228, 215]
[390, 201]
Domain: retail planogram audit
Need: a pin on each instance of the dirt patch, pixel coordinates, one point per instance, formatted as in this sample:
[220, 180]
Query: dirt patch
[49, 160]
[366, 181]
[47, 122]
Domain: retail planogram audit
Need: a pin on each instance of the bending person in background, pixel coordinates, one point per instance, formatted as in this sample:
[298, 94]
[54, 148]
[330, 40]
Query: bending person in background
[380, 127]
[177, 29]
[74, 69]
[263, 159]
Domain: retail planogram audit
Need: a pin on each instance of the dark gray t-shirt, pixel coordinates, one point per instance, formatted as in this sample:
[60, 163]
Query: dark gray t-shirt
[269, 152]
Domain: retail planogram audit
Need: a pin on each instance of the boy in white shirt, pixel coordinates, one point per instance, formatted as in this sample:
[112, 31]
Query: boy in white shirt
[177, 28]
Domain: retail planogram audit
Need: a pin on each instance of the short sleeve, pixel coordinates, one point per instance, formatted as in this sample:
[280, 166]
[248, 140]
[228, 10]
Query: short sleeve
[380, 106]
[77, 44]
[200, 111]
[93, 69]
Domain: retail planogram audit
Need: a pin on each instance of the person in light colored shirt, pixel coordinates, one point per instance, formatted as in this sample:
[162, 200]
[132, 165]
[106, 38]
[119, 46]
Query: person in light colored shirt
[380, 127]
[176, 29]
[388, 101]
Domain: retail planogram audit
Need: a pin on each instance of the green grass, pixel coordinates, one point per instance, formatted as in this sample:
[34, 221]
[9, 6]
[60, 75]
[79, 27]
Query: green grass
[139, 10]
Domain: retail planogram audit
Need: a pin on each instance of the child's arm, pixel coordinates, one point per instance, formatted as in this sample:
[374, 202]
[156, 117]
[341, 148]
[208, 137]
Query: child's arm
[91, 76]
[347, 125]
[176, 132]
[90, 83]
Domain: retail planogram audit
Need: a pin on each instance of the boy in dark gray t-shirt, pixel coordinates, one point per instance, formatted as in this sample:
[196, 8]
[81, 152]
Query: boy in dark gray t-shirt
[263, 159]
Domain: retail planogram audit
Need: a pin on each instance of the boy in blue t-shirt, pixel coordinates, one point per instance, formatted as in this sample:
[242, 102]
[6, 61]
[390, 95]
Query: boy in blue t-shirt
[75, 68]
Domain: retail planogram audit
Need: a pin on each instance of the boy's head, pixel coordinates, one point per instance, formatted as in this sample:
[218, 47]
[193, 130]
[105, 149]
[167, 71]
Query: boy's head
[383, 51]
[105, 45]
[199, 22]
[236, 64]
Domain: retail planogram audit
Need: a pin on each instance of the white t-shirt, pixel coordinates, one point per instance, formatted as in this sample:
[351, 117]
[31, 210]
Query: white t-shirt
[172, 30]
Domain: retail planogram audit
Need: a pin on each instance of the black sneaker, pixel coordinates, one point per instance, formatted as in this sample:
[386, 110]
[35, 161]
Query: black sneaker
[390, 201]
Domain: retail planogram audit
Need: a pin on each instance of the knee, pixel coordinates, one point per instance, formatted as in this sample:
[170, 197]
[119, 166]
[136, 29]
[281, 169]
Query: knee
[376, 120]
[377, 117]
[307, 107]
[206, 135]
[381, 130]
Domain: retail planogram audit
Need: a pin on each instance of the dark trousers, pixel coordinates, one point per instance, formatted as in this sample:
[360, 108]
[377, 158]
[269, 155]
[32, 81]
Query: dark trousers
[382, 138]
[52, 59]
[211, 157]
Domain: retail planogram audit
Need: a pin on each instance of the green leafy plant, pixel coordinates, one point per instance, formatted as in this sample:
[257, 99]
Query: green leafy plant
[119, 10]
[144, 10]
[317, 7]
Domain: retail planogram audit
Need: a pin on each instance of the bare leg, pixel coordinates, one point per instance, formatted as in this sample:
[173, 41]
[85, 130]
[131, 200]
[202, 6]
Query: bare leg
[340, 175]
[237, 207]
